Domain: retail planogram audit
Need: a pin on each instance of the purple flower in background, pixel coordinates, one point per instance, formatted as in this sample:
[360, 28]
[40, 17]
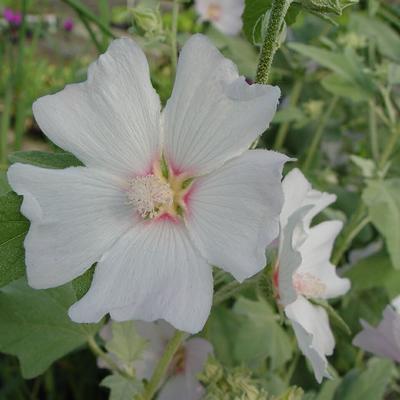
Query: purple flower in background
[68, 24]
[384, 340]
[12, 17]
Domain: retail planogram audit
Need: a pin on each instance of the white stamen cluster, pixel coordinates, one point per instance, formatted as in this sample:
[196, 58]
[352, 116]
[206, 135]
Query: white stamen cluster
[308, 285]
[149, 194]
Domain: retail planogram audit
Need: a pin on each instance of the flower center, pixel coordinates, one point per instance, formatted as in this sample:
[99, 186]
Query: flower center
[308, 285]
[150, 195]
[214, 12]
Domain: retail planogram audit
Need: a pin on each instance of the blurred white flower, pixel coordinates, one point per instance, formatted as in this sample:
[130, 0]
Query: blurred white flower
[162, 195]
[384, 340]
[188, 361]
[225, 15]
[304, 272]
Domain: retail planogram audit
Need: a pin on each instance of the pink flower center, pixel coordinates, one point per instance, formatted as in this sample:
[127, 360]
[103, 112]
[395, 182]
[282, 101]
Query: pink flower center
[308, 285]
[161, 194]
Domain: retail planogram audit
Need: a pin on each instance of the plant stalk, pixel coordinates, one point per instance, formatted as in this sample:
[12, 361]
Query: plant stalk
[279, 9]
[162, 366]
[318, 134]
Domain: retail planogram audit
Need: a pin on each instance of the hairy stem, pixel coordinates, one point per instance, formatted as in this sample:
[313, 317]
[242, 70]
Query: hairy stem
[162, 366]
[271, 41]
[318, 134]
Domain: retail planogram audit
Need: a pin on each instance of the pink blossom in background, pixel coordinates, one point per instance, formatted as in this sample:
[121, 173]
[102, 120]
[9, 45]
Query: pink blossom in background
[68, 24]
[12, 17]
[384, 340]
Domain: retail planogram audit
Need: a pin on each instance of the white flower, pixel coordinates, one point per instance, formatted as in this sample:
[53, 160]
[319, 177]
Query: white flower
[188, 361]
[304, 271]
[384, 340]
[162, 195]
[226, 15]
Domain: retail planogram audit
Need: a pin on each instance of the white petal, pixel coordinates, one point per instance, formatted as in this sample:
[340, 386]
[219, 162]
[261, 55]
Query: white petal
[384, 340]
[197, 352]
[76, 215]
[289, 259]
[181, 387]
[233, 213]
[316, 252]
[111, 120]
[153, 272]
[212, 115]
[313, 333]
[298, 192]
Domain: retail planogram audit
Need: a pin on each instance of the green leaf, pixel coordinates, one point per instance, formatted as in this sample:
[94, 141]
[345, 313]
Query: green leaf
[261, 336]
[367, 385]
[386, 39]
[343, 87]
[4, 186]
[126, 343]
[383, 201]
[221, 332]
[346, 65]
[328, 389]
[121, 388]
[375, 271]
[35, 325]
[13, 229]
[44, 159]
[326, 6]
[82, 283]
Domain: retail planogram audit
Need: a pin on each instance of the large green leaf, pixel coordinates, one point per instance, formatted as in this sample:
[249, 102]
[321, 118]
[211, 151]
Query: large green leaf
[346, 65]
[343, 87]
[13, 228]
[375, 271]
[45, 159]
[367, 385]
[383, 200]
[387, 39]
[35, 325]
[261, 336]
[121, 388]
[4, 186]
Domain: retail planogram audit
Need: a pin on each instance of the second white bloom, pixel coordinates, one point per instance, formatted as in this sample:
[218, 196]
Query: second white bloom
[304, 272]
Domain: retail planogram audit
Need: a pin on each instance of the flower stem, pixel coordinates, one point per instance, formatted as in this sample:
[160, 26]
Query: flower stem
[5, 125]
[174, 33]
[318, 134]
[271, 41]
[81, 9]
[162, 366]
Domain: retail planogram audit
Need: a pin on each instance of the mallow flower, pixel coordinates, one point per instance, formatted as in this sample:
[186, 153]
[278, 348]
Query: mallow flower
[187, 363]
[384, 340]
[162, 195]
[303, 271]
[225, 15]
